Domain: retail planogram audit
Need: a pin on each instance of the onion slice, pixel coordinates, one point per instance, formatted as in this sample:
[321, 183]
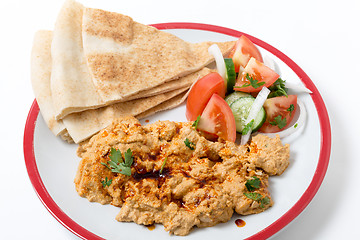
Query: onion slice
[269, 62]
[296, 126]
[255, 109]
[298, 87]
[215, 51]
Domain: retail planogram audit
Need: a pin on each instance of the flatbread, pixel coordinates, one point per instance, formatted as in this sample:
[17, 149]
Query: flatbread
[71, 83]
[97, 66]
[40, 79]
[125, 57]
[77, 127]
[101, 57]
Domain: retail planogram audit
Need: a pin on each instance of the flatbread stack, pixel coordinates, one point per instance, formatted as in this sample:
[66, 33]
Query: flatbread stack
[96, 66]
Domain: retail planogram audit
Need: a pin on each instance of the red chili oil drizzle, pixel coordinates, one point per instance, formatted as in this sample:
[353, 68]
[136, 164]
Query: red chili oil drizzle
[142, 174]
[240, 223]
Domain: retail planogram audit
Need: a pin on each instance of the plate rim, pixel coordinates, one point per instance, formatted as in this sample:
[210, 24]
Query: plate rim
[273, 228]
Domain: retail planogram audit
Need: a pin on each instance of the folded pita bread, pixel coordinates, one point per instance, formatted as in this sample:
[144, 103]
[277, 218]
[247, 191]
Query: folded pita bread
[40, 79]
[63, 72]
[71, 83]
[80, 126]
[101, 57]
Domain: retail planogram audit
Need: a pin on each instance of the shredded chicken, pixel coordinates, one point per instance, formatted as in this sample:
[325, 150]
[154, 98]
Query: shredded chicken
[200, 187]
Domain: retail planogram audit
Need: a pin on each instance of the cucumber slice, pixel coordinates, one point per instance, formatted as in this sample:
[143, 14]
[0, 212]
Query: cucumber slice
[230, 74]
[232, 97]
[241, 108]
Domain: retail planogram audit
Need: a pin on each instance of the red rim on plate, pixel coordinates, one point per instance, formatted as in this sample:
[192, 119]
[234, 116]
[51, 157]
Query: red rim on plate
[267, 232]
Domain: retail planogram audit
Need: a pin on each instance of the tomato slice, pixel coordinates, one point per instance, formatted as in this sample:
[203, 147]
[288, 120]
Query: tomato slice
[201, 93]
[280, 112]
[217, 118]
[243, 50]
[261, 75]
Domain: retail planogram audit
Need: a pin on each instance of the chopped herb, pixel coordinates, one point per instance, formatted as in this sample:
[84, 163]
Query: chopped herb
[278, 121]
[278, 89]
[116, 163]
[253, 196]
[252, 82]
[189, 144]
[248, 127]
[163, 165]
[291, 109]
[258, 198]
[106, 182]
[295, 126]
[264, 201]
[253, 184]
[196, 122]
[115, 155]
[128, 158]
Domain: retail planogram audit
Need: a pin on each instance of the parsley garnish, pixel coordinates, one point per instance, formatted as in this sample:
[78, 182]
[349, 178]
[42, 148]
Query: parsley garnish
[252, 82]
[189, 144]
[291, 109]
[162, 166]
[247, 127]
[253, 196]
[295, 126]
[264, 201]
[278, 89]
[253, 184]
[106, 182]
[278, 121]
[117, 165]
[258, 198]
[196, 122]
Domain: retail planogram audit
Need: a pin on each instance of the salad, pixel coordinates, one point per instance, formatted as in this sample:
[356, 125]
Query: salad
[245, 95]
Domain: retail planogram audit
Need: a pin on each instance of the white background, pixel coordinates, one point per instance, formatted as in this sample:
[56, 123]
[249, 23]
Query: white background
[322, 37]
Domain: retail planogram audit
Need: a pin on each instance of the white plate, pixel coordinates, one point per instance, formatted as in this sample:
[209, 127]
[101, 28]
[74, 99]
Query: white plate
[52, 163]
